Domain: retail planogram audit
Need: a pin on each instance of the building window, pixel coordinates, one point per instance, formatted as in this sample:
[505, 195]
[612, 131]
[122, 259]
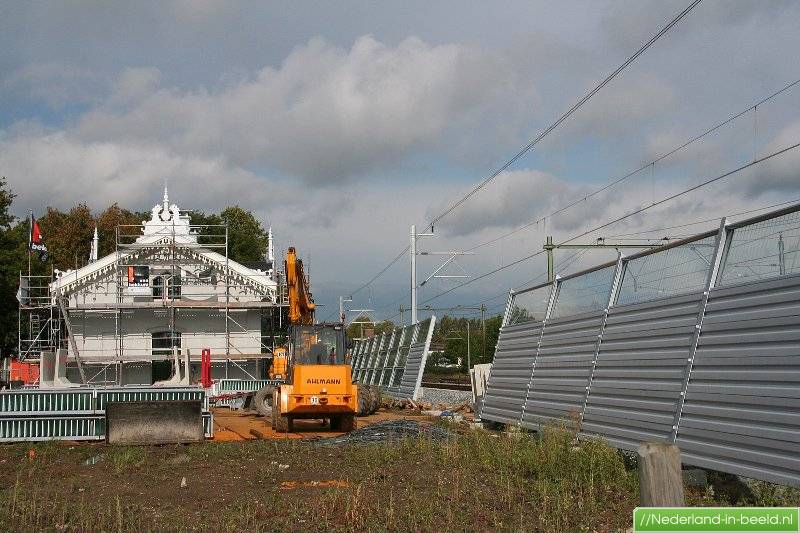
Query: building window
[164, 341]
[175, 287]
[173, 284]
[158, 287]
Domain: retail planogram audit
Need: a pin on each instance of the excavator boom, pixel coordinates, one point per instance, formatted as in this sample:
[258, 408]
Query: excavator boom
[301, 305]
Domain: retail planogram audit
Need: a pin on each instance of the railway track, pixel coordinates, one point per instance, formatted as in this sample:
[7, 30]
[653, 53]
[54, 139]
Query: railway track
[444, 385]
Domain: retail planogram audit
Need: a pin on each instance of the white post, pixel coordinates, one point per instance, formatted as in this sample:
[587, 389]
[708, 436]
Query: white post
[413, 274]
[469, 354]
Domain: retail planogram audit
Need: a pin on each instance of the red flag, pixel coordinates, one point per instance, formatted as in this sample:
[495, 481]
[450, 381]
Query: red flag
[36, 241]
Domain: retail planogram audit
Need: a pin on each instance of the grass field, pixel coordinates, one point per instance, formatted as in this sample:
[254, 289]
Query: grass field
[478, 481]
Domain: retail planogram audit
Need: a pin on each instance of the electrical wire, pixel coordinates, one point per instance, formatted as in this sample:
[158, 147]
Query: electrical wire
[619, 180]
[623, 217]
[566, 115]
[543, 134]
[653, 230]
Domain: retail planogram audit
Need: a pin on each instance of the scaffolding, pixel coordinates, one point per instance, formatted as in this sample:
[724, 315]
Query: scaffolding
[39, 324]
[172, 273]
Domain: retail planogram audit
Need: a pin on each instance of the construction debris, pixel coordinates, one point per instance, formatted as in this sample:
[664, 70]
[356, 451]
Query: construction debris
[427, 408]
[391, 430]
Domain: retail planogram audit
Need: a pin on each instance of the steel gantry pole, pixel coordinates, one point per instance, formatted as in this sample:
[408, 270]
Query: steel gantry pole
[413, 274]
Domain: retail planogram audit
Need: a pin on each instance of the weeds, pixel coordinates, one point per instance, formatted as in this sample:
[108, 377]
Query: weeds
[127, 457]
[477, 482]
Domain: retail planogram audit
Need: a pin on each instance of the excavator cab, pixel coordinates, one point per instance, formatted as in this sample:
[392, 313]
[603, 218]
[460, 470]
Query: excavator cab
[318, 344]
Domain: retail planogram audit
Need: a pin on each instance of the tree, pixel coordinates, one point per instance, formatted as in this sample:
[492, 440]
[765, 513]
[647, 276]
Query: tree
[247, 238]
[211, 230]
[68, 236]
[13, 259]
[107, 222]
[452, 335]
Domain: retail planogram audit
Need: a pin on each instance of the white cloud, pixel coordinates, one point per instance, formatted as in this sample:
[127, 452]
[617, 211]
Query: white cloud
[325, 115]
[782, 173]
[55, 84]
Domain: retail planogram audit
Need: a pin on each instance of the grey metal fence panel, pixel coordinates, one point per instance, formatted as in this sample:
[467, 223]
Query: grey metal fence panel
[411, 379]
[700, 345]
[358, 374]
[742, 408]
[391, 358]
[511, 372]
[365, 366]
[151, 394]
[369, 364]
[408, 384]
[383, 356]
[561, 373]
[402, 355]
[242, 385]
[638, 376]
[45, 401]
[391, 362]
[355, 361]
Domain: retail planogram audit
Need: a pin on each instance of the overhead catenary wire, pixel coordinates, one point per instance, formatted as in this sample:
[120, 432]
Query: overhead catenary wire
[504, 294]
[621, 179]
[623, 217]
[706, 221]
[632, 173]
[562, 265]
[525, 149]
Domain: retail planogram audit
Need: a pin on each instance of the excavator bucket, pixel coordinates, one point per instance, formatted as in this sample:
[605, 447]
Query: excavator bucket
[160, 422]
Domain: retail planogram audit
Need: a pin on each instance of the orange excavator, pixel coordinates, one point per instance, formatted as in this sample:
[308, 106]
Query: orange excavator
[316, 378]
[301, 309]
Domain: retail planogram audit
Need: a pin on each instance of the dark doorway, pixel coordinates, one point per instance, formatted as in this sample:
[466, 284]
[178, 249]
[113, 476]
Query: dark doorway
[162, 370]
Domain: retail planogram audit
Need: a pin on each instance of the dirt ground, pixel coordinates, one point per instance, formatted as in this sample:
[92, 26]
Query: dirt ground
[231, 425]
[441, 477]
[444, 478]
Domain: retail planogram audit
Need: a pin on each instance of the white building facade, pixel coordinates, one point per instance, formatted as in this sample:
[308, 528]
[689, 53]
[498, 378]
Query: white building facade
[168, 289]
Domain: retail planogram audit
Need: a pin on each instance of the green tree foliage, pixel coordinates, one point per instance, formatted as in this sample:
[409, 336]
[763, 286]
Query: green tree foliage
[247, 239]
[109, 220]
[68, 236]
[13, 240]
[451, 335]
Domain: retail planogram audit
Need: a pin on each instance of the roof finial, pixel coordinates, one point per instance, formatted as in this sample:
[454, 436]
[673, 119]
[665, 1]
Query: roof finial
[95, 246]
[166, 198]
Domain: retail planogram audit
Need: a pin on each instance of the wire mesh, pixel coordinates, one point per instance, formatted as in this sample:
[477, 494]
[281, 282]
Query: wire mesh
[584, 293]
[671, 272]
[529, 306]
[763, 250]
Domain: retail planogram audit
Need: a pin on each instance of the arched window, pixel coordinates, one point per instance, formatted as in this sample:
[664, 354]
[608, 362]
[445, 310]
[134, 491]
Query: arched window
[175, 287]
[172, 284]
[158, 287]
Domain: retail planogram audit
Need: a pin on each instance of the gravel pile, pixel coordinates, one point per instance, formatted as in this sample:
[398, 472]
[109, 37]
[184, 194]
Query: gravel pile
[391, 430]
[444, 396]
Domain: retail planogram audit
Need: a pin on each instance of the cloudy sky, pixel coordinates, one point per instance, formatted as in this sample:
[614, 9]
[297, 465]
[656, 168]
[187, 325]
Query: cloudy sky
[343, 123]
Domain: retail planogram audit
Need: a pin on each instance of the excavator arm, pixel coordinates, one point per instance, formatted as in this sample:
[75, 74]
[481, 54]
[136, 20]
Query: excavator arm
[301, 305]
